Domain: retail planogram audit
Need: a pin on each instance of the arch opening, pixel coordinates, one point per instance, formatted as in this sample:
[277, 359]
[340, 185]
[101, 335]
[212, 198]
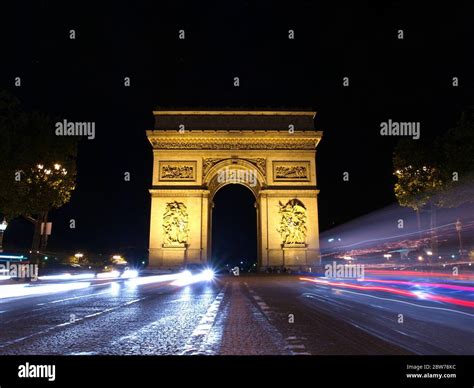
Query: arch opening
[234, 171]
[234, 228]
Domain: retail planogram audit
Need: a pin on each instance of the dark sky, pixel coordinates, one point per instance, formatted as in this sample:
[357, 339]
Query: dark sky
[82, 80]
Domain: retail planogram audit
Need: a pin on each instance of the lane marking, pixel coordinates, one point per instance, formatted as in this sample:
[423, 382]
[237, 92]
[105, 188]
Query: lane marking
[299, 346]
[264, 307]
[292, 343]
[197, 341]
[296, 346]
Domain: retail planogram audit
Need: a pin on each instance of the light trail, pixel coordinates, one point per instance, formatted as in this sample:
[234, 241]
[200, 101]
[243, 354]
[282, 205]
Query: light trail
[191, 279]
[379, 239]
[68, 276]
[153, 279]
[315, 296]
[418, 274]
[108, 275]
[407, 293]
[16, 290]
[434, 285]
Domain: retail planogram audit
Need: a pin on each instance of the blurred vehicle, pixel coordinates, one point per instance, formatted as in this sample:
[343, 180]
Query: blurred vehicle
[198, 269]
[63, 268]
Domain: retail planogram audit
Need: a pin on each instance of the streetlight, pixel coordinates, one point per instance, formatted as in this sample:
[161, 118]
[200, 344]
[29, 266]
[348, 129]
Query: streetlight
[3, 226]
[458, 229]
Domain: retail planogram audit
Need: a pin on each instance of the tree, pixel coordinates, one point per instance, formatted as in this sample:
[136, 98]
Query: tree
[419, 180]
[419, 177]
[457, 147]
[37, 168]
[438, 174]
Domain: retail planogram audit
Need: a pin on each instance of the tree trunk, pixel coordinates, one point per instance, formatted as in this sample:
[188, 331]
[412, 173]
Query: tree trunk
[39, 239]
[35, 246]
[44, 237]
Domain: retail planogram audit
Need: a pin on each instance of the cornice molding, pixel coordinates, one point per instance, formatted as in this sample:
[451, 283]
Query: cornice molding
[237, 143]
[232, 113]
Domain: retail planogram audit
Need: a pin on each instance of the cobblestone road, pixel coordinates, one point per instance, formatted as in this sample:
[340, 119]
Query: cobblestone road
[253, 315]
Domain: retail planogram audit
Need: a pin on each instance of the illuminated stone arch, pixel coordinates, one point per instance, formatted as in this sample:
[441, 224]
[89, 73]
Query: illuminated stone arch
[217, 148]
[245, 172]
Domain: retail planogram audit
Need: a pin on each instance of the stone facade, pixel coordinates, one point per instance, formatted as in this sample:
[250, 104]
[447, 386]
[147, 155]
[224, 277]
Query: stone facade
[191, 163]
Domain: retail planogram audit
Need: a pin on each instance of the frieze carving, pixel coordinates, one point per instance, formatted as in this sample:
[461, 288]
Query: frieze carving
[175, 224]
[177, 170]
[234, 144]
[291, 171]
[295, 172]
[292, 227]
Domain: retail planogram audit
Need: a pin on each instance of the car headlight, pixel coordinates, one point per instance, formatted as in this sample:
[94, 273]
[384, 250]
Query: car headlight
[208, 274]
[129, 274]
[186, 274]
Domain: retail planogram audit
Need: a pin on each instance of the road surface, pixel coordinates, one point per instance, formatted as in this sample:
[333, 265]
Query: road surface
[250, 315]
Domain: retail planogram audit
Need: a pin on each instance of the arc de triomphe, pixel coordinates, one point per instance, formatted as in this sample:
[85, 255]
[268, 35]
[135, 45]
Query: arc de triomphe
[195, 153]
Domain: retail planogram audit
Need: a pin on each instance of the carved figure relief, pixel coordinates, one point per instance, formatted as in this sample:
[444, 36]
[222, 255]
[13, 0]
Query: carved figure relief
[175, 223]
[292, 226]
[177, 171]
[291, 171]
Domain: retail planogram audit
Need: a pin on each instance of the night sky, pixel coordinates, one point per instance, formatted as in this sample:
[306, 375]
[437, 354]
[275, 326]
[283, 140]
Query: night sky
[82, 80]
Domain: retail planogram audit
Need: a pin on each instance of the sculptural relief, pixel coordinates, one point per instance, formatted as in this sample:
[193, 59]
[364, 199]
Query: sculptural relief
[291, 171]
[175, 224]
[292, 226]
[177, 171]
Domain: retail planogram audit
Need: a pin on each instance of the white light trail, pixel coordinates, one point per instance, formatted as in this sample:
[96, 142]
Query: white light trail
[16, 290]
